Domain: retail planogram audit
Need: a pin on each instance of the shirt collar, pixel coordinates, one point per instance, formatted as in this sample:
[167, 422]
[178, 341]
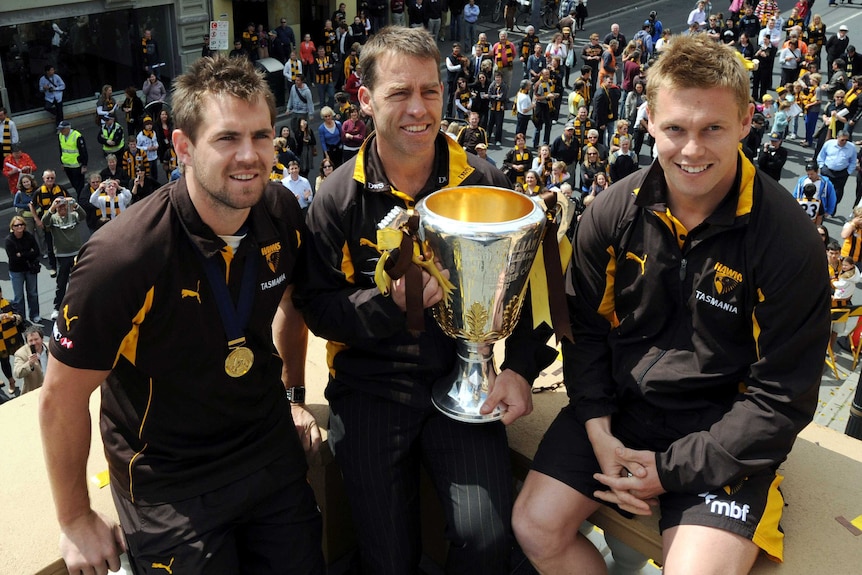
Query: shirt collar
[450, 167]
[652, 193]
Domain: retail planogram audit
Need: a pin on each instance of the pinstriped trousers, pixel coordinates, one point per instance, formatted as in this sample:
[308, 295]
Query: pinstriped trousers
[379, 445]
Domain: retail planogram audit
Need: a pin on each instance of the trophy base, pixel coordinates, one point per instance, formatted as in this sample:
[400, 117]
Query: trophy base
[461, 395]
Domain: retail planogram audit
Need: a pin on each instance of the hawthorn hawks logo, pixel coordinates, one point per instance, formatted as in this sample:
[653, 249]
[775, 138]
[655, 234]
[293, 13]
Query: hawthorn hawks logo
[272, 254]
[726, 279]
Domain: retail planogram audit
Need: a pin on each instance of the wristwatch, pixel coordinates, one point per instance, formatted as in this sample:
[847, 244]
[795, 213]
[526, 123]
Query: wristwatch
[295, 394]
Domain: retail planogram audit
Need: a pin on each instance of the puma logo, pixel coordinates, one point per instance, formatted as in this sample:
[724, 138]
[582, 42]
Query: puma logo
[68, 319]
[168, 567]
[193, 294]
[641, 261]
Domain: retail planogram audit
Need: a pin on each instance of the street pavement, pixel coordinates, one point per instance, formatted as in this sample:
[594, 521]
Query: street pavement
[41, 142]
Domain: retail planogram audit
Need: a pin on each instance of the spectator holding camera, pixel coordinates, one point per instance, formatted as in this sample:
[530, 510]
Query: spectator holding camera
[773, 156]
[142, 186]
[53, 86]
[62, 219]
[111, 200]
[31, 359]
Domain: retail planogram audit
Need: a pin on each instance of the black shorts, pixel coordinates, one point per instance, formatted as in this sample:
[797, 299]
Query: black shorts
[265, 523]
[751, 508]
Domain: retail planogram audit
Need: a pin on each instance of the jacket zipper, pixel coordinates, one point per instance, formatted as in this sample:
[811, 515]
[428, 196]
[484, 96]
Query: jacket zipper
[650, 366]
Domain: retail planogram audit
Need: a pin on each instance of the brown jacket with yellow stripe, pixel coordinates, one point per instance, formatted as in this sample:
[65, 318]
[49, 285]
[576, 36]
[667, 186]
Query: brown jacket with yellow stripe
[725, 324]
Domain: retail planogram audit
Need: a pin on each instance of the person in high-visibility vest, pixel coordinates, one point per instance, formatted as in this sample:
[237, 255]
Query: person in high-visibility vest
[111, 136]
[73, 154]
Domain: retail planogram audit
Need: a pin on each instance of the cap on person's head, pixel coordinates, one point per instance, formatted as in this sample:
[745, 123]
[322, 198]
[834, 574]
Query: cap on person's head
[774, 136]
[842, 28]
[652, 14]
[110, 116]
[481, 146]
[570, 126]
[851, 49]
[147, 120]
[647, 24]
[767, 98]
[63, 125]
[811, 167]
[567, 30]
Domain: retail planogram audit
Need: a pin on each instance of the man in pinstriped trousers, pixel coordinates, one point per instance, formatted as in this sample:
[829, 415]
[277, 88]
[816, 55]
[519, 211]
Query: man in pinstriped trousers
[383, 425]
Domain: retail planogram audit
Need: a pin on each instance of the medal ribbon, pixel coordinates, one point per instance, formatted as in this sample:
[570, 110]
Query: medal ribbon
[233, 319]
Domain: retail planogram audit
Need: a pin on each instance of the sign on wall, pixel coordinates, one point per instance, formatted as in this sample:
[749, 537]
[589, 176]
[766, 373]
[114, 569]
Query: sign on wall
[219, 35]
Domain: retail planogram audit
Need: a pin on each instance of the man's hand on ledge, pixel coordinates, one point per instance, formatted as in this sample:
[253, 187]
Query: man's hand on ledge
[91, 544]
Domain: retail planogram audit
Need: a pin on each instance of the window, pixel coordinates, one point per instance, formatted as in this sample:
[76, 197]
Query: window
[87, 51]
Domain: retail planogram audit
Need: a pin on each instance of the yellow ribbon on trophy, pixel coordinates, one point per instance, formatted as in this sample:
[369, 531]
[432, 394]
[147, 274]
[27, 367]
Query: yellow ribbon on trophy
[410, 252]
[387, 240]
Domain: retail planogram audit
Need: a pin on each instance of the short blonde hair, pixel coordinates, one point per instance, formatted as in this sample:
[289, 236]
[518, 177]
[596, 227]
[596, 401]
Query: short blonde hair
[697, 61]
[16, 220]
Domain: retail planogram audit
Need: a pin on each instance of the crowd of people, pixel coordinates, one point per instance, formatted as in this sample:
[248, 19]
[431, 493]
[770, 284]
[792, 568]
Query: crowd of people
[612, 97]
[48, 228]
[597, 93]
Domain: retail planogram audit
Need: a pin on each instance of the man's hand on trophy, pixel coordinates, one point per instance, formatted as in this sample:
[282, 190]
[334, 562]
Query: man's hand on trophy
[512, 393]
[432, 291]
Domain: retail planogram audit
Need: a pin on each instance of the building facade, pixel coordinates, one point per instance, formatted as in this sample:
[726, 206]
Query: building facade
[96, 42]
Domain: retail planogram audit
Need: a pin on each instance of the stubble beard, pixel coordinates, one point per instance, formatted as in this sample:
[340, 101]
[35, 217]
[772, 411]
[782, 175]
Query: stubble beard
[221, 198]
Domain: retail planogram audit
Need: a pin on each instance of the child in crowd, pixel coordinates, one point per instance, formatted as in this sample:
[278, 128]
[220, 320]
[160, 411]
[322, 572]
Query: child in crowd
[782, 119]
[845, 284]
[811, 203]
[768, 110]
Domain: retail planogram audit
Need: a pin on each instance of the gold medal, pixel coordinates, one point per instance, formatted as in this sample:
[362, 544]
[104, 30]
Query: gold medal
[238, 361]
